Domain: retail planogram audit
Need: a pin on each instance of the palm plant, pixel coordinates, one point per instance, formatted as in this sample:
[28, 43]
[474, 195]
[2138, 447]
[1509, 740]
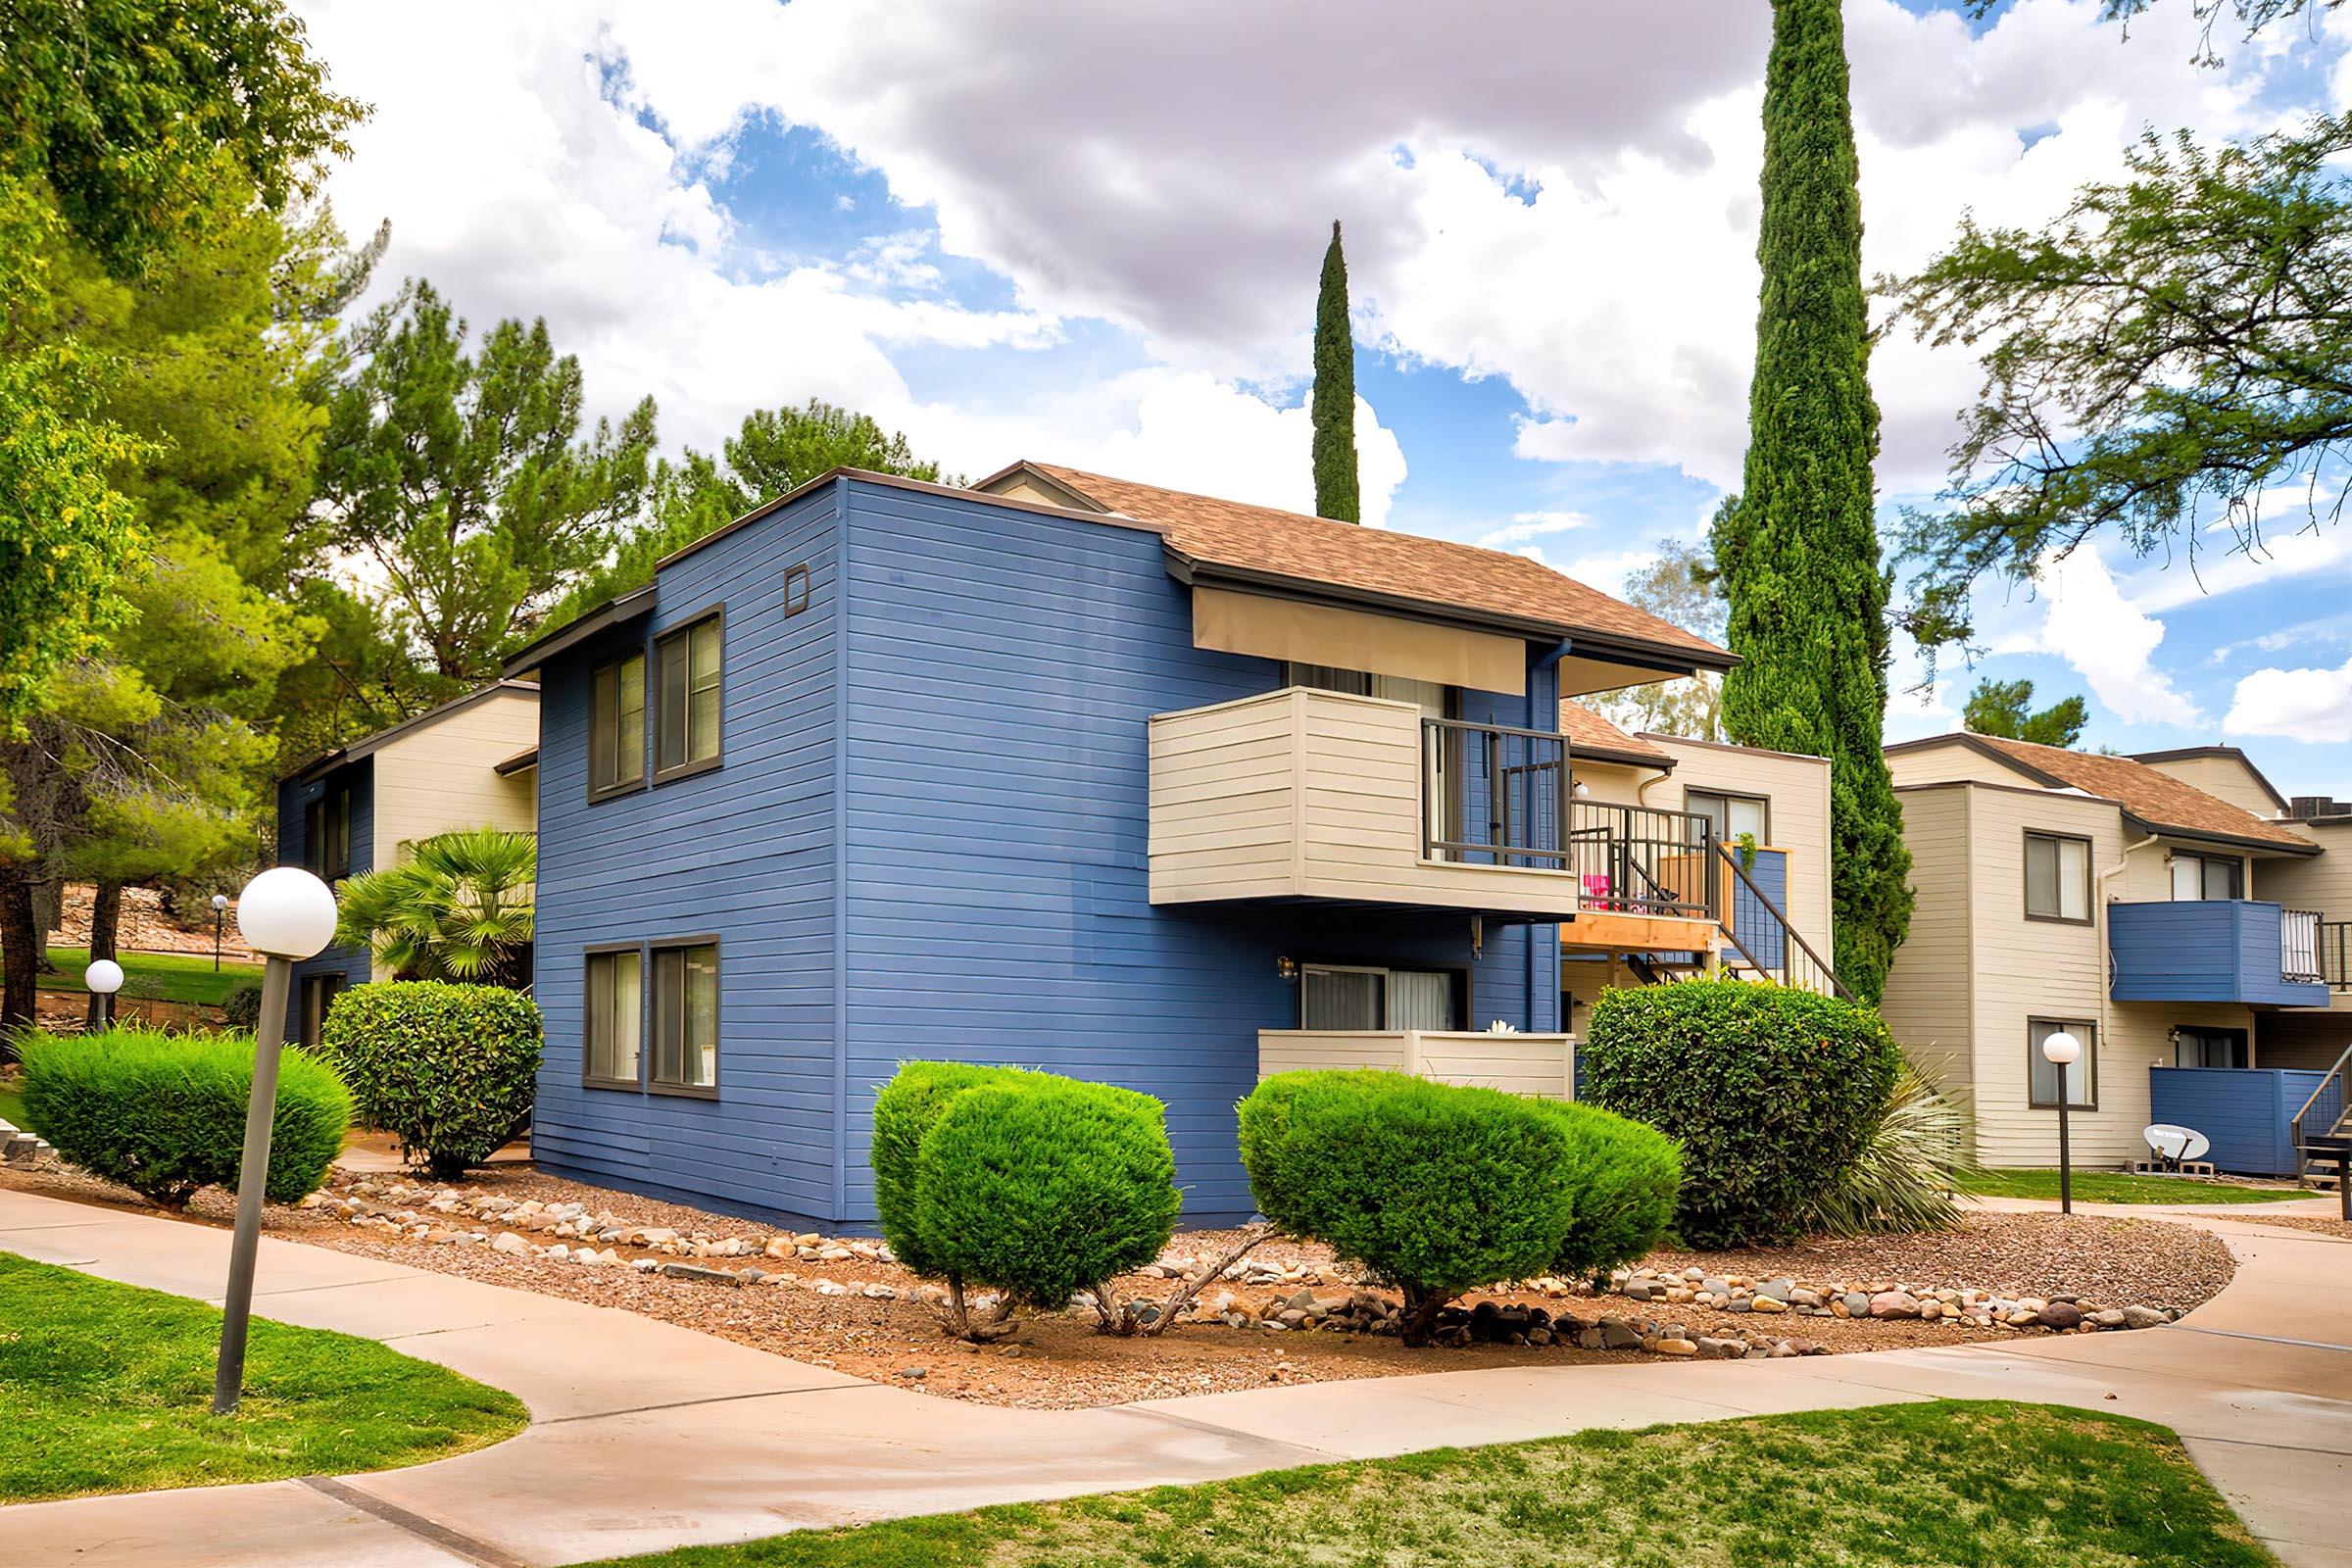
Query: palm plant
[1904, 1178]
[458, 908]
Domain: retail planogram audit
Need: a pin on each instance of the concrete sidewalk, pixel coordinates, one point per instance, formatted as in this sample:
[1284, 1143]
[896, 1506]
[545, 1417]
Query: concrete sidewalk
[646, 1435]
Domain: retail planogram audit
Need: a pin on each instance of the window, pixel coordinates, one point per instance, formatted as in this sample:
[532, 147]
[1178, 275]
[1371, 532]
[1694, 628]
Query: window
[687, 664]
[1342, 997]
[1326, 678]
[616, 1016]
[318, 995]
[1731, 814]
[2041, 1074]
[686, 1017]
[796, 591]
[617, 727]
[2208, 876]
[2057, 877]
[2209, 1048]
[327, 834]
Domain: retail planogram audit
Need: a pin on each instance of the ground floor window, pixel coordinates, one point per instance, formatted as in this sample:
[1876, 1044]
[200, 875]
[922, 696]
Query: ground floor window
[2082, 1076]
[614, 1011]
[686, 1017]
[317, 995]
[1364, 997]
[2209, 1048]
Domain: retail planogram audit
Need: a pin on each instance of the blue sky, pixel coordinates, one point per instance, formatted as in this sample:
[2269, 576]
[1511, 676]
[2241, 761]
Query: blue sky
[1016, 230]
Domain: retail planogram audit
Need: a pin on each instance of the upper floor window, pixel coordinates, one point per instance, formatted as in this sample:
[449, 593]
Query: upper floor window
[1732, 815]
[686, 662]
[327, 834]
[2208, 876]
[2057, 877]
[616, 726]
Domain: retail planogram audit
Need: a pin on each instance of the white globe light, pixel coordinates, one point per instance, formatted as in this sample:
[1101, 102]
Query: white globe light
[103, 977]
[219, 901]
[2062, 1049]
[287, 913]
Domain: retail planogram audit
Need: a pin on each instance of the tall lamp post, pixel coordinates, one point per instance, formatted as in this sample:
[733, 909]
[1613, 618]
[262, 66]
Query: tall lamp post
[286, 915]
[104, 977]
[219, 918]
[2062, 1051]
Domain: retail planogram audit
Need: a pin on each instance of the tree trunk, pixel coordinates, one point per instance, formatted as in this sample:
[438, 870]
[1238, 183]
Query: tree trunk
[19, 954]
[105, 923]
[1420, 1321]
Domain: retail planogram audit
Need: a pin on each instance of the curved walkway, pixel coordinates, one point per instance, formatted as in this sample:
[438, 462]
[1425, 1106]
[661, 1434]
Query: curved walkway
[646, 1435]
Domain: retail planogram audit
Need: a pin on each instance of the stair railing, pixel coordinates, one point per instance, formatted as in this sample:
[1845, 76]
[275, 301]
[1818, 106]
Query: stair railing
[2329, 1098]
[1814, 974]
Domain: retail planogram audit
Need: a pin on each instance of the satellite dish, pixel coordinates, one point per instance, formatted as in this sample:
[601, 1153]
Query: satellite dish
[2173, 1145]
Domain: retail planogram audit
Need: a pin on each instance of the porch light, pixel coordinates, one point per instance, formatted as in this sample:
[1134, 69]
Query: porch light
[103, 978]
[1580, 789]
[2062, 1051]
[1286, 968]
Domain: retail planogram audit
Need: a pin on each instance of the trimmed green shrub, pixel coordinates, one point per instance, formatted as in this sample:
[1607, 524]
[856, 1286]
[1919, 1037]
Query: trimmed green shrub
[904, 1112]
[1041, 1186]
[1625, 1176]
[1437, 1187]
[447, 1069]
[165, 1114]
[1772, 1091]
[241, 1009]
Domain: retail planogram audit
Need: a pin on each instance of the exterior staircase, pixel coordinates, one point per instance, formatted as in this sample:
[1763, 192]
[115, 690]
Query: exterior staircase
[2322, 1134]
[1763, 945]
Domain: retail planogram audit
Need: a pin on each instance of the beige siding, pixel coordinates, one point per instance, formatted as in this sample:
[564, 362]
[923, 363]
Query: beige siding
[2223, 776]
[1615, 783]
[1311, 794]
[1942, 765]
[1928, 1000]
[439, 776]
[2148, 877]
[1798, 788]
[1516, 1063]
[2322, 882]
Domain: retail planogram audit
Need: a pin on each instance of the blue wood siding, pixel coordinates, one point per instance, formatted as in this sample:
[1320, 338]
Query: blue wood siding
[293, 848]
[2203, 949]
[1763, 935]
[745, 853]
[2245, 1111]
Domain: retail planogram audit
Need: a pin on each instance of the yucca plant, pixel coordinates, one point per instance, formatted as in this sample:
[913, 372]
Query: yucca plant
[458, 908]
[1903, 1180]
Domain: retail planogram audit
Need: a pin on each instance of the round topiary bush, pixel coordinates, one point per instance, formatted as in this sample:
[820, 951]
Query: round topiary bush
[1625, 1177]
[1772, 1093]
[1041, 1186]
[447, 1069]
[905, 1111]
[165, 1114]
[241, 1009]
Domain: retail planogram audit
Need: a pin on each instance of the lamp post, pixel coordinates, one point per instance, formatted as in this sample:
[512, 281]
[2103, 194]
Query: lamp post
[219, 918]
[2062, 1051]
[104, 977]
[285, 915]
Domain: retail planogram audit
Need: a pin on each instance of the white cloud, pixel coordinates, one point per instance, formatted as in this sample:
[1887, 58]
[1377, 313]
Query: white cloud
[2110, 642]
[1526, 526]
[2313, 706]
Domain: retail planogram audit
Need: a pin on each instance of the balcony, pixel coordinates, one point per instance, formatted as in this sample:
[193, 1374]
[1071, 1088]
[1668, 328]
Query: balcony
[1305, 794]
[1516, 1063]
[2215, 950]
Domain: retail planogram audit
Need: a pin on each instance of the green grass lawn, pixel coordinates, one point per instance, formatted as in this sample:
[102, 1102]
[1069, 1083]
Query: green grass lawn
[2114, 1186]
[108, 1388]
[162, 976]
[1906, 1486]
[11, 1106]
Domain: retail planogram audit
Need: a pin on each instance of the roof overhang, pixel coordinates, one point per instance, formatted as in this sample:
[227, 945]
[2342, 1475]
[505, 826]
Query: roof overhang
[613, 611]
[2200, 835]
[522, 761]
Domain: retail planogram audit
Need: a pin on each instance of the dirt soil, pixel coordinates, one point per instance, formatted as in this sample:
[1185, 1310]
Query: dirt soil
[1059, 1362]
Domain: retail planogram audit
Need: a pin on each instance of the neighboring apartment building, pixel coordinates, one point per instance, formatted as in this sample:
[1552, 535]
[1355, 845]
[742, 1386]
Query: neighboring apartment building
[1087, 775]
[2166, 909]
[471, 762]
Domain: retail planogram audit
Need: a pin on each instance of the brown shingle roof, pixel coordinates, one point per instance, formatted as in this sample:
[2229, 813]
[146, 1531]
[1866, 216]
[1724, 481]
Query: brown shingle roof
[1401, 566]
[2149, 794]
[1590, 735]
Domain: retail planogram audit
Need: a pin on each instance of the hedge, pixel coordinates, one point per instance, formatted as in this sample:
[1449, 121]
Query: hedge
[447, 1069]
[1771, 1091]
[1442, 1187]
[905, 1111]
[165, 1114]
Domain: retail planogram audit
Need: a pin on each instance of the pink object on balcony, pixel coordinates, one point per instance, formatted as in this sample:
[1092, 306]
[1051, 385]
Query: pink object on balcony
[1597, 890]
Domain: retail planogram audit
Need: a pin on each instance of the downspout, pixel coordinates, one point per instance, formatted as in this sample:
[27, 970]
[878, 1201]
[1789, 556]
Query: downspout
[1542, 666]
[2106, 953]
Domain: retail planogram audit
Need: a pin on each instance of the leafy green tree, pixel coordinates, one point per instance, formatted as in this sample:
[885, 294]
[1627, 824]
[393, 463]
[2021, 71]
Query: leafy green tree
[777, 451]
[463, 485]
[458, 908]
[1679, 587]
[1799, 551]
[2005, 707]
[1333, 409]
[2172, 348]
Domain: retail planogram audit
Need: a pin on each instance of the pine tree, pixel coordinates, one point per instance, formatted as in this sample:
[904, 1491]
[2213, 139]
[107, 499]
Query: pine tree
[1800, 553]
[1334, 404]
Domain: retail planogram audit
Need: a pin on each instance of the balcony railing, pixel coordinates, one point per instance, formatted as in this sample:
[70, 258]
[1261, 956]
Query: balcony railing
[2299, 946]
[1492, 795]
[1641, 860]
[2335, 954]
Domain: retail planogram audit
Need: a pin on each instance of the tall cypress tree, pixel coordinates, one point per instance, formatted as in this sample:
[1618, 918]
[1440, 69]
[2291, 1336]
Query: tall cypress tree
[1798, 551]
[1334, 404]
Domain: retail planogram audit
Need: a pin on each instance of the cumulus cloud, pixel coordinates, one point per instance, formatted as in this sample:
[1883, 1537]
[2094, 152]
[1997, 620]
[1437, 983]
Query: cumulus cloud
[2110, 641]
[1529, 525]
[2313, 706]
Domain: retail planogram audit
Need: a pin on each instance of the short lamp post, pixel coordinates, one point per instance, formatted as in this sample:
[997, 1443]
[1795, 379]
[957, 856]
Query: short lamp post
[285, 915]
[2062, 1051]
[219, 919]
[104, 977]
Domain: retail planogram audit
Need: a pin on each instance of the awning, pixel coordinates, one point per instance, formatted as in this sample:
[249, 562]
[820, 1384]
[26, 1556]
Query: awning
[1268, 627]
